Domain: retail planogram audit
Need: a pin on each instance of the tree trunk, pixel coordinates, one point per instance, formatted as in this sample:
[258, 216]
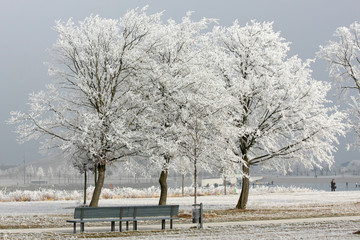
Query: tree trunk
[95, 173]
[85, 186]
[163, 187]
[101, 168]
[244, 188]
[182, 185]
[195, 182]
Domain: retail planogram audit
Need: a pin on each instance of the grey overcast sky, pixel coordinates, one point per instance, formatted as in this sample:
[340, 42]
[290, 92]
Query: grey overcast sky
[26, 33]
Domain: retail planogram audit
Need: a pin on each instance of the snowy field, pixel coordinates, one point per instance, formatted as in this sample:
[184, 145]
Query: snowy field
[273, 213]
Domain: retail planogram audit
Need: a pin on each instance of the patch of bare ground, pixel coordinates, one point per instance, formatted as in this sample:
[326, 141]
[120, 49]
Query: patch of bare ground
[123, 234]
[86, 235]
[33, 221]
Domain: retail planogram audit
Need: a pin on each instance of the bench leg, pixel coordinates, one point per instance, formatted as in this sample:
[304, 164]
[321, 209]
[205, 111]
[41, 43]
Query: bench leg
[74, 227]
[120, 226]
[112, 226]
[171, 224]
[135, 225]
[163, 224]
[82, 227]
[127, 225]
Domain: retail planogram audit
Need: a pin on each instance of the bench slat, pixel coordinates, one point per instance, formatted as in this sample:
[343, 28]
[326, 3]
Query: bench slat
[98, 212]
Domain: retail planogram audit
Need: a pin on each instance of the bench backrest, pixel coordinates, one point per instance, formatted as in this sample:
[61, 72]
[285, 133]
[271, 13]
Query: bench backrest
[96, 212]
[126, 211]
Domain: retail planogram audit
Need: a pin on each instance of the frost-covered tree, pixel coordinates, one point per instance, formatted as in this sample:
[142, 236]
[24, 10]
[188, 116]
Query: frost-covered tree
[281, 113]
[30, 172]
[59, 172]
[95, 100]
[343, 58]
[174, 62]
[50, 174]
[205, 126]
[40, 173]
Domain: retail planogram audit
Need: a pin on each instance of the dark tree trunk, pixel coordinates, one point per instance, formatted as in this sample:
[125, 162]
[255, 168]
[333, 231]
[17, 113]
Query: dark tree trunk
[244, 188]
[101, 168]
[85, 186]
[182, 185]
[95, 173]
[163, 187]
[195, 181]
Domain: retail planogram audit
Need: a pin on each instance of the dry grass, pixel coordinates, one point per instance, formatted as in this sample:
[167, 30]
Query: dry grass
[301, 211]
[308, 211]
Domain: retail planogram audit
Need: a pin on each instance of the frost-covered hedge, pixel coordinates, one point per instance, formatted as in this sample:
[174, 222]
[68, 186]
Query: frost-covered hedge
[152, 192]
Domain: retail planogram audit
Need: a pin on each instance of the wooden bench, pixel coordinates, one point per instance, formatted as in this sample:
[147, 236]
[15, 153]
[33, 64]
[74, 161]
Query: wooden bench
[125, 214]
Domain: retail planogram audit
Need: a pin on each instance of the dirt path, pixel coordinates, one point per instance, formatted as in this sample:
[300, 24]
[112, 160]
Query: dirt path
[178, 226]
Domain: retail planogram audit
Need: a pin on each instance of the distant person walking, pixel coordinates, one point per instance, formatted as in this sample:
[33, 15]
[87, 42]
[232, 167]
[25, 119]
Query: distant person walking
[333, 185]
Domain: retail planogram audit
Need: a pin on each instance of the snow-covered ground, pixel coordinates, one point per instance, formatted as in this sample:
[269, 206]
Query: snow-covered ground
[260, 197]
[265, 206]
